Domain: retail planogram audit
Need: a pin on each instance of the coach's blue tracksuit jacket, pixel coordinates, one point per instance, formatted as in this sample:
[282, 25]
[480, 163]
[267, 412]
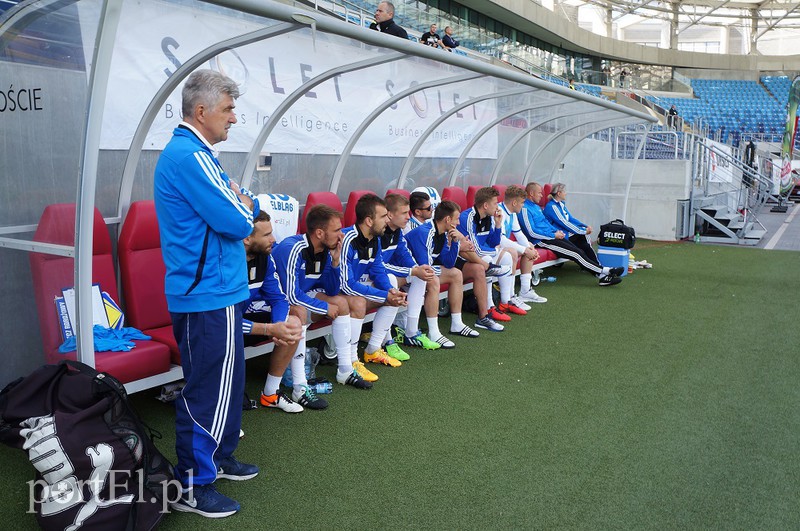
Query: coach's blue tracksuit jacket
[429, 246]
[481, 232]
[557, 214]
[202, 224]
[533, 223]
[396, 256]
[363, 257]
[301, 271]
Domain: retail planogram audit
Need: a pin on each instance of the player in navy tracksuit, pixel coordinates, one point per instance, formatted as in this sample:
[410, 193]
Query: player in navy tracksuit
[308, 267]
[482, 225]
[438, 244]
[268, 313]
[366, 283]
[540, 232]
[202, 222]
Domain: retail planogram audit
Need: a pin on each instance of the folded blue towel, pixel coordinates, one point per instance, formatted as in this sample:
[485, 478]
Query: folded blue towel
[108, 339]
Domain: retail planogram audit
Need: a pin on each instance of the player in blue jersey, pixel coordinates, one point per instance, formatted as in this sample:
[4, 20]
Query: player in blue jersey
[482, 225]
[366, 284]
[308, 268]
[268, 314]
[514, 239]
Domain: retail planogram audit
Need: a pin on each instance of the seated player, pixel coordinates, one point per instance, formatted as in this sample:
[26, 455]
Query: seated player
[525, 250]
[559, 217]
[482, 225]
[438, 245]
[268, 314]
[421, 208]
[308, 268]
[365, 283]
[423, 283]
[539, 231]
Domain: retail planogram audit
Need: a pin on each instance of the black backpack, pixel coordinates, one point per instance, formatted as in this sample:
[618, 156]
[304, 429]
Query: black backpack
[96, 464]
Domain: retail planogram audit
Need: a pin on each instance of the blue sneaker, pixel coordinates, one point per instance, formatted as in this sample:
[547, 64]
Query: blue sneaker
[230, 468]
[206, 501]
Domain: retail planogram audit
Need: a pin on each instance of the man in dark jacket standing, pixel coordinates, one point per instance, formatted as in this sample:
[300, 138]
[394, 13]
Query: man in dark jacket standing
[384, 21]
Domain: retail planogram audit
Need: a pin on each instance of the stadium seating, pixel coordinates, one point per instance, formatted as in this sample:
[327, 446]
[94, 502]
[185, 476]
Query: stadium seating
[471, 191]
[350, 210]
[501, 189]
[400, 191]
[51, 274]
[455, 194]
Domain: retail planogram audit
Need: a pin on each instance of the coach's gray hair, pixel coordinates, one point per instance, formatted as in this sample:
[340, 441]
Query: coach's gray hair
[206, 87]
[557, 188]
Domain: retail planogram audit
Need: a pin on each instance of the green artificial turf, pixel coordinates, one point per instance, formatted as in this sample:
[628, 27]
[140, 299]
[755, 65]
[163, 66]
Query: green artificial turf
[669, 401]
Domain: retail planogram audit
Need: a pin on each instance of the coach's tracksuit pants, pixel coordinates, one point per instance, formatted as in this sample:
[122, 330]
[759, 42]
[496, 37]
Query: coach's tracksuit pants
[208, 414]
[575, 250]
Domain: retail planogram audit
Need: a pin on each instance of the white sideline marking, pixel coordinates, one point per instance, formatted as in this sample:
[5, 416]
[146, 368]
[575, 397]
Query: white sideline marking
[778, 233]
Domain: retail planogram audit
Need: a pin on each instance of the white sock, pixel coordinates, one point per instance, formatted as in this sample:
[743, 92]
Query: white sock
[341, 336]
[273, 384]
[489, 299]
[506, 287]
[606, 271]
[416, 299]
[456, 324]
[355, 332]
[433, 328]
[524, 283]
[384, 318]
[298, 364]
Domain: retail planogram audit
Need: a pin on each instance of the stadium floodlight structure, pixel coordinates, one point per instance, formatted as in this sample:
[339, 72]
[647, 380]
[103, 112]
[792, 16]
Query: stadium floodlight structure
[95, 87]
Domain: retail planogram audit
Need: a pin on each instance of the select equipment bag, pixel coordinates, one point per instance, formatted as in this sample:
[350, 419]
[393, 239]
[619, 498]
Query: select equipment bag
[616, 234]
[96, 464]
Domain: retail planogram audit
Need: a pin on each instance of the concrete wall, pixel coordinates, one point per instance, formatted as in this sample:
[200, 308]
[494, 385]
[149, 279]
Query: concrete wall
[656, 188]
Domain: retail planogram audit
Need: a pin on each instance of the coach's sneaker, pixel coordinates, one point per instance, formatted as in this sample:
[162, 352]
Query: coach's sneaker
[231, 468]
[616, 271]
[421, 341]
[307, 398]
[206, 501]
[497, 270]
[380, 356]
[394, 350]
[365, 373]
[498, 315]
[608, 280]
[511, 308]
[530, 296]
[280, 401]
[487, 323]
[465, 331]
[353, 379]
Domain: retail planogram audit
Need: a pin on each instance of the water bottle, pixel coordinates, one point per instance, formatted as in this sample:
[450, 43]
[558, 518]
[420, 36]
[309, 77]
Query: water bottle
[697, 237]
[550, 279]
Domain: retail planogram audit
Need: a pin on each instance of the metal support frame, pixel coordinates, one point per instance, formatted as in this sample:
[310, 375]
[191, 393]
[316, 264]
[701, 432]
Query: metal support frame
[150, 114]
[348, 149]
[252, 157]
[87, 183]
[401, 180]
[488, 127]
[555, 137]
[530, 129]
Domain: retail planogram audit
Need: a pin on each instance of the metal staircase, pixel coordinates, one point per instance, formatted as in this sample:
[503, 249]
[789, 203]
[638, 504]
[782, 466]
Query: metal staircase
[727, 196]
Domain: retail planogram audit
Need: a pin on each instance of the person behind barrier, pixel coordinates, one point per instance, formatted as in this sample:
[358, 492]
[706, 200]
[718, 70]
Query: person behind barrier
[202, 222]
[423, 283]
[309, 271]
[538, 230]
[431, 38]
[438, 244]
[367, 285]
[268, 314]
[384, 21]
[482, 225]
[524, 250]
[421, 209]
[448, 42]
